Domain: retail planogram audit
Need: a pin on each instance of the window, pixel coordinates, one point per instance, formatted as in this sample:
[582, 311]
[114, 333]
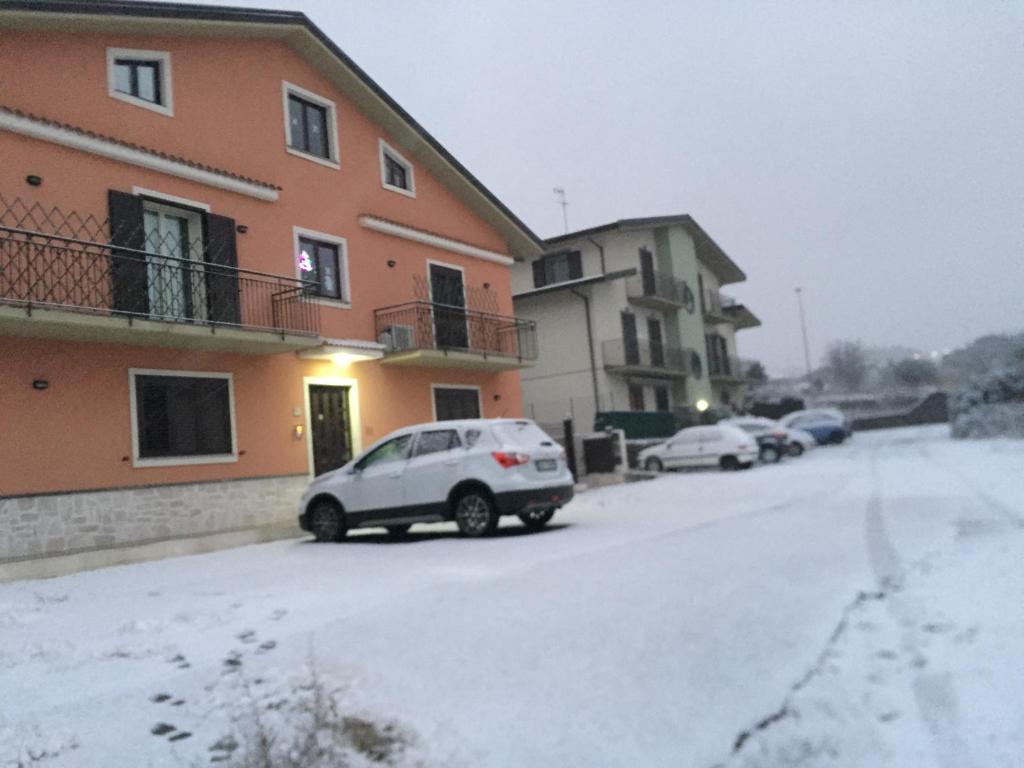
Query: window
[436, 441]
[322, 261]
[557, 268]
[396, 172]
[661, 398]
[182, 417]
[142, 78]
[310, 125]
[392, 450]
[636, 397]
[456, 402]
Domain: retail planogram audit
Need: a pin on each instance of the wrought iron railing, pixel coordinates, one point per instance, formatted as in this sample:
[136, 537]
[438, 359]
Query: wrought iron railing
[637, 354]
[726, 365]
[713, 304]
[56, 271]
[658, 285]
[423, 325]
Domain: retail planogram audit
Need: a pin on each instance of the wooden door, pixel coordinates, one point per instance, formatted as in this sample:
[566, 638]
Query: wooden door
[330, 430]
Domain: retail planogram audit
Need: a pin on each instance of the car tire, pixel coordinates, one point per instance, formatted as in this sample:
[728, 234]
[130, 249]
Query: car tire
[398, 531]
[769, 454]
[728, 463]
[537, 518]
[795, 449]
[327, 521]
[653, 464]
[836, 438]
[475, 514]
[746, 465]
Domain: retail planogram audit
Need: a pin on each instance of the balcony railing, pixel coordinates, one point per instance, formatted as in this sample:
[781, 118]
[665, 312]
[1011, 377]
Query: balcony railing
[658, 288]
[424, 325]
[712, 306]
[726, 366]
[646, 357]
[55, 272]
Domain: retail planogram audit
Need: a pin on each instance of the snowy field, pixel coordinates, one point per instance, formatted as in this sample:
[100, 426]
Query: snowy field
[860, 606]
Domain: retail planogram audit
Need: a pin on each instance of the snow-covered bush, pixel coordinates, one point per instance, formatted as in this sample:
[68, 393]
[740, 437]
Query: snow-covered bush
[990, 406]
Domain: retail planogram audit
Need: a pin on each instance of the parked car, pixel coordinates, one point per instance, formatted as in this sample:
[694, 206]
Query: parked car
[472, 471]
[796, 441]
[721, 445]
[826, 424]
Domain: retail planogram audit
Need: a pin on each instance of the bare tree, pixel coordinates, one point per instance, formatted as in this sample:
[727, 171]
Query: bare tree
[846, 364]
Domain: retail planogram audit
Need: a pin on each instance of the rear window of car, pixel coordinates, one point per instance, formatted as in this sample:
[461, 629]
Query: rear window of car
[521, 433]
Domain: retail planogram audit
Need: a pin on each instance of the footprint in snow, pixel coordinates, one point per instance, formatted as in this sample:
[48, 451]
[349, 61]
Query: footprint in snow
[246, 636]
[266, 645]
[162, 729]
[179, 661]
[279, 614]
[179, 736]
[158, 698]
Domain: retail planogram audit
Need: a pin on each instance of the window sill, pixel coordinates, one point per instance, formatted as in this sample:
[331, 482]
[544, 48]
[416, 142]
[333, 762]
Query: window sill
[327, 301]
[137, 102]
[181, 461]
[314, 158]
[399, 190]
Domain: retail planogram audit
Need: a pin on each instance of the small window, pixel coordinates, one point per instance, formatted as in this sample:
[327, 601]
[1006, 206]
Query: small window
[396, 172]
[436, 441]
[310, 125]
[182, 417]
[557, 268]
[322, 261]
[391, 451]
[636, 397]
[472, 437]
[661, 400]
[139, 77]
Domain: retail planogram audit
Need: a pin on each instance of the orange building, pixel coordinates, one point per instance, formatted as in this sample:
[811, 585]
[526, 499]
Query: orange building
[228, 261]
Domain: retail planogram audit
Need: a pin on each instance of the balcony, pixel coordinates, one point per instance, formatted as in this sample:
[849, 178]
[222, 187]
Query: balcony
[658, 290]
[641, 358]
[62, 287]
[726, 368]
[423, 333]
[713, 309]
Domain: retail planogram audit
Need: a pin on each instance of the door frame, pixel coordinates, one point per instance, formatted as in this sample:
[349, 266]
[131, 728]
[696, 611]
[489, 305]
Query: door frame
[440, 385]
[355, 425]
[430, 295]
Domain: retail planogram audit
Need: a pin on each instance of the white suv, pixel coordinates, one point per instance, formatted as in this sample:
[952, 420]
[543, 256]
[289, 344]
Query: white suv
[470, 471]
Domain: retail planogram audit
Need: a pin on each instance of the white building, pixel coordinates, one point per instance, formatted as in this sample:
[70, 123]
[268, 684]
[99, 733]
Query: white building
[630, 317]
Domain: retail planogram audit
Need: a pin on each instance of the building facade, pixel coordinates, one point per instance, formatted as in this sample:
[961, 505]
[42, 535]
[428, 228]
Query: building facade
[228, 260]
[630, 318]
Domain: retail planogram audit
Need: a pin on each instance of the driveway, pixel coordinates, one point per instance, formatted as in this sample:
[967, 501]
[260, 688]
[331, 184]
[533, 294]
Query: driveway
[860, 606]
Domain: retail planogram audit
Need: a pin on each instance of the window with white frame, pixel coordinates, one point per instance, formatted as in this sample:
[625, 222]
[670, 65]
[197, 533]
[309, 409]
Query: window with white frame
[311, 125]
[396, 172]
[322, 262]
[142, 78]
[182, 417]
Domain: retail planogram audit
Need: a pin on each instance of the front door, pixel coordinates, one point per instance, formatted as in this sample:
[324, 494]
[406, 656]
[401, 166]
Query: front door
[329, 427]
[448, 296]
[175, 277]
[456, 403]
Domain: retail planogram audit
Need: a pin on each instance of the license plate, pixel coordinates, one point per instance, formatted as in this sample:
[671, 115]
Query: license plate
[547, 465]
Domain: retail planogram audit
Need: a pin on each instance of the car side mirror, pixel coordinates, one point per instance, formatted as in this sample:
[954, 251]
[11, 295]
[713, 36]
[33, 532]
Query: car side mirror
[356, 470]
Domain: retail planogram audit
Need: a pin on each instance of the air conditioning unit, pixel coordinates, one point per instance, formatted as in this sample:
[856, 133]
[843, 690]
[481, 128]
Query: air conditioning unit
[397, 337]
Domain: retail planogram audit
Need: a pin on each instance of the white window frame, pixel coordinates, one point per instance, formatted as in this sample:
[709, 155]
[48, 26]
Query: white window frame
[334, 159]
[354, 421]
[175, 461]
[170, 199]
[385, 150]
[161, 57]
[434, 386]
[345, 302]
[430, 283]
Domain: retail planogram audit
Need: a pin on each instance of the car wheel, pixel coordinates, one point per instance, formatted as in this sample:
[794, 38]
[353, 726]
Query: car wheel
[836, 438]
[398, 531]
[746, 465]
[475, 514]
[769, 454]
[728, 462]
[654, 464]
[327, 521]
[795, 449]
[536, 519]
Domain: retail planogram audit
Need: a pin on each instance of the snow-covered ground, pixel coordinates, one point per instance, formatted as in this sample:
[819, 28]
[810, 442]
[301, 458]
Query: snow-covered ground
[860, 606]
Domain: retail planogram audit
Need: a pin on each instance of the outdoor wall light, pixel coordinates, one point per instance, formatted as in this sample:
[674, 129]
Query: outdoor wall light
[241, 229]
[34, 180]
[40, 384]
[487, 286]
[297, 431]
[497, 398]
[391, 263]
[702, 405]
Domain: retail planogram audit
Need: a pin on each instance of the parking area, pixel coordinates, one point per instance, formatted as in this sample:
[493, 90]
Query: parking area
[860, 605]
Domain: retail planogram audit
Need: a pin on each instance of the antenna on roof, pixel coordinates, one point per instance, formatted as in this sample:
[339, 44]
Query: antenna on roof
[565, 205]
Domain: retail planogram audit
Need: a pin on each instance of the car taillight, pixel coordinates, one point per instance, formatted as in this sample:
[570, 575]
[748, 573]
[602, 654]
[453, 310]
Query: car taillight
[779, 435]
[510, 459]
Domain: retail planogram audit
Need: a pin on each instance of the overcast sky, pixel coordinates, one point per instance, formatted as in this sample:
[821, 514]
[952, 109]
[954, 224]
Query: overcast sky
[870, 152]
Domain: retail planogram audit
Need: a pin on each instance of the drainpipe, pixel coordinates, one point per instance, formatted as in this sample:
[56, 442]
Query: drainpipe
[600, 249]
[590, 343]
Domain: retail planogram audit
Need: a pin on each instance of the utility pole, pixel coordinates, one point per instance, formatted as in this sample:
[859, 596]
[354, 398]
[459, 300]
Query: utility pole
[803, 330]
[565, 205]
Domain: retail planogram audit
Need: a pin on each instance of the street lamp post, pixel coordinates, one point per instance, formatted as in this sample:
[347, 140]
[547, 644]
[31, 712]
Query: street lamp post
[803, 330]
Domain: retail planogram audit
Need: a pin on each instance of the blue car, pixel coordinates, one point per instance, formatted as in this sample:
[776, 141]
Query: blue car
[829, 426]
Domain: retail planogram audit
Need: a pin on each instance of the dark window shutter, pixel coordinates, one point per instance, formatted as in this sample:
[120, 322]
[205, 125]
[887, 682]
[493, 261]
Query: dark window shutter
[538, 274]
[575, 265]
[130, 291]
[221, 274]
